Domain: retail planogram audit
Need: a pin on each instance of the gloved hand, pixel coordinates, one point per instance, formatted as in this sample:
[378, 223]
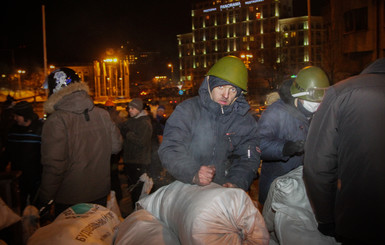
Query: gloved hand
[290, 148]
[327, 229]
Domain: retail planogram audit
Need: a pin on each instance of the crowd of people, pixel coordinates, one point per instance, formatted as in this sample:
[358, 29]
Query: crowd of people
[79, 153]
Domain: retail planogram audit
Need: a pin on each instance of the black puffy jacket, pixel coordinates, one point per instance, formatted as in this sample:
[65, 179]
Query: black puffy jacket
[199, 133]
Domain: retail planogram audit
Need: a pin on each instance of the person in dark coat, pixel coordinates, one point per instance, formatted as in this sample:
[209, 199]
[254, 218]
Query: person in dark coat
[211, 137]
[22, 151]
[137, 145]
[78, 140]
[284, 125]
[344, 165]
[6, 119]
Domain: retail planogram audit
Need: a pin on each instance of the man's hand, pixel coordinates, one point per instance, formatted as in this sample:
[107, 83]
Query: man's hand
[230, 185]
[205, 175]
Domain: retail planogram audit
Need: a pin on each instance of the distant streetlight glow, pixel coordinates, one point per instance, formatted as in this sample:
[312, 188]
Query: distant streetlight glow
[111, 60]
[20, 72]
[172, 70]
[248, 57]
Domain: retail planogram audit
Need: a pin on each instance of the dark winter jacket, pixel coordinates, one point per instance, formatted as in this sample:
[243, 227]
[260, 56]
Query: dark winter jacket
[77, 142]
[282, 121]
[344, 168]
[199, 133]
[22, 150]
[137, 142]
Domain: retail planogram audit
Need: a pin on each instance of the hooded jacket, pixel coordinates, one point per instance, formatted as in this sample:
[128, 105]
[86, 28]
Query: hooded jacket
[199, 133]
[344, 169]
[282, 121]
[77, 142]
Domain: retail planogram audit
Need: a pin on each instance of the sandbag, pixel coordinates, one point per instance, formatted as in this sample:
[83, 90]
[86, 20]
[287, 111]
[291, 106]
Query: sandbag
[288, 214]
[112, 204]
[141, 227]
[298, 226]
[288, 189]
[30, 221]
[209, 214]
[80, 224]
[7, 216]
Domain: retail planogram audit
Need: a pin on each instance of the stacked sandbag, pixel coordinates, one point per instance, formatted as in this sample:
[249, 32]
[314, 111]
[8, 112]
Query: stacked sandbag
[209, 214]
[7, 216]
[288, 214]
[80, 224]
[141, 227]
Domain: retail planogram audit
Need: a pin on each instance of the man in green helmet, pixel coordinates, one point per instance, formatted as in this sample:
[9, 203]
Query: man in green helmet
[211, 137]
[283, 126]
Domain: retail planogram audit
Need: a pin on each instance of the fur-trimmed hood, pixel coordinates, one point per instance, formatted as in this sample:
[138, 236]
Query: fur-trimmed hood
[73, 98]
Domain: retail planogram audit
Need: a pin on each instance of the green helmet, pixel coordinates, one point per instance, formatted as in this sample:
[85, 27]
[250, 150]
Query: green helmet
[310, 84]
[231, 69]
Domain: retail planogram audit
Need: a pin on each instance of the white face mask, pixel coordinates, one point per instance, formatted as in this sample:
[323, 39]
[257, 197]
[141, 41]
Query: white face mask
[310, 106]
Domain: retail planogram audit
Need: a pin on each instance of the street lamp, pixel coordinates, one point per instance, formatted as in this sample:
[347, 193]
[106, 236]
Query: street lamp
[172, 70]
[247, 57]
[20, 72]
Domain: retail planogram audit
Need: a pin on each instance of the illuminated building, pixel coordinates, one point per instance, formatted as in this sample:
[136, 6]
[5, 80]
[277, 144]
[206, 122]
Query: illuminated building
[273, 42]
[111, 78]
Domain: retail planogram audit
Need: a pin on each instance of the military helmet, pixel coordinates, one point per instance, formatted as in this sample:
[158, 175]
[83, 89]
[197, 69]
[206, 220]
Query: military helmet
[231, 69]
[310, 84]
[60, 78]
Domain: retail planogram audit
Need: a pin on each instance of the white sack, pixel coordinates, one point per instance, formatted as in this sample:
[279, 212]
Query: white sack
[298, 226]
[112, 204]
[7, 216]
[288, 189]
[80, 224]
[141, 227]
[207, 214]
[288, 213]
[30, 221]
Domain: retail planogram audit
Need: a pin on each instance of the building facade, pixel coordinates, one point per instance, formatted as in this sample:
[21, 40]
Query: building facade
[355, 36]
[264, 33]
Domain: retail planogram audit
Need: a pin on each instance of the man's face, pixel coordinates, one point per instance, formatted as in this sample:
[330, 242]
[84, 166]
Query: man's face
[133, 111]
[20, 120]
[160, 112]
[224, 95]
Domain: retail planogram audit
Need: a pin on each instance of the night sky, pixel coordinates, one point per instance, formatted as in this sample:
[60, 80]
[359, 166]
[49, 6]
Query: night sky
[82, 30]
[79, 31]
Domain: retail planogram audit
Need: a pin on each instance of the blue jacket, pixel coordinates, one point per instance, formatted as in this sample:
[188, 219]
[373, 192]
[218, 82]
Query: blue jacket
[279, 123]
[199, 133]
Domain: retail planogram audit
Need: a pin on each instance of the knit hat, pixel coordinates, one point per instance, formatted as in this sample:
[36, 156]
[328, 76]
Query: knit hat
[136, 103]
[24, 109]
[216, 81]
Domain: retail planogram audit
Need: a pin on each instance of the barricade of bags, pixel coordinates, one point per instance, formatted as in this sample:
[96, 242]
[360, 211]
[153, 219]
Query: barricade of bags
[189, 214]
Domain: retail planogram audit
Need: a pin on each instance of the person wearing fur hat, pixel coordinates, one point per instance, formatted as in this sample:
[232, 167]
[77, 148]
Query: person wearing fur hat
[22, 151]
[284, 125]
[137, 145]
[78, 140]
[212, 137]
